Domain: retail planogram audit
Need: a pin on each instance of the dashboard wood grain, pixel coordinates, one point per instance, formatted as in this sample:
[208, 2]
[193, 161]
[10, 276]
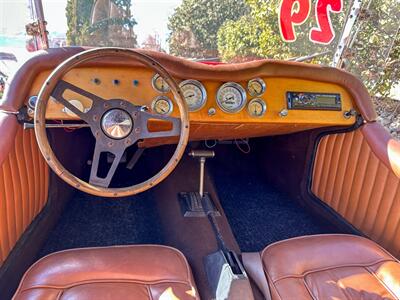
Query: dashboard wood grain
[221, 125]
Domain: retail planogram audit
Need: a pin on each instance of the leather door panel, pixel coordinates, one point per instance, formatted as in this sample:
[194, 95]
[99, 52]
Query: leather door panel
[357, 174]
[24, 178]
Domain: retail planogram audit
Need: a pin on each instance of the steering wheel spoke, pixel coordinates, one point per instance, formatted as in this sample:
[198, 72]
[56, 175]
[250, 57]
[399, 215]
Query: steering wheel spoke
[117, 151]
[58, 95]
[142, 122]
[116, 124]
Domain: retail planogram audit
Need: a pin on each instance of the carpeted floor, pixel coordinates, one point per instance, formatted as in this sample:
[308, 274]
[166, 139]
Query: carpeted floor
[259, 214]
[90, 221]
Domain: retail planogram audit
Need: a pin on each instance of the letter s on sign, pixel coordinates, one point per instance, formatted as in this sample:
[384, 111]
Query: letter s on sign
[324, 33]
[292, 12]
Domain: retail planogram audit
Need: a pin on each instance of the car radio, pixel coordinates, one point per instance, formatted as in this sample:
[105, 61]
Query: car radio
[313, 101]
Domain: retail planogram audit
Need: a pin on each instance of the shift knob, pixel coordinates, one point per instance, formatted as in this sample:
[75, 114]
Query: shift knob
[202, 153]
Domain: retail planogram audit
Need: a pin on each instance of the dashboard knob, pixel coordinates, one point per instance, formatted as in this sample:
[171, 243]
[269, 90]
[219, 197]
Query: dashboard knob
[283, 113]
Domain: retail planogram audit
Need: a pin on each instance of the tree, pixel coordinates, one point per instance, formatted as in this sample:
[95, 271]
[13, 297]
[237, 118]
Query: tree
[256, 34]
[78, 20]
[152, 42]
[369, 56]
[100, 23]
[195, 23]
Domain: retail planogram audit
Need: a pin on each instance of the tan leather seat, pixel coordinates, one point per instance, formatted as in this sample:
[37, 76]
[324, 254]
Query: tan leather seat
[123, 272]
[330, 267]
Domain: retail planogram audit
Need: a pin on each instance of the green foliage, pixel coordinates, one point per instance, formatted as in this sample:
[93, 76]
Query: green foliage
[195, 23]
[256, 34]
[369, 56]
[78, 20]
[114, 28]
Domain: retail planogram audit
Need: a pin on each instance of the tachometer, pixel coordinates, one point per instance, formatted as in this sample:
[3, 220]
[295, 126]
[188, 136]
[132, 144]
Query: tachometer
[231, 97]
[162, 105]
[256, 87]
[159, 84]
[194, 93]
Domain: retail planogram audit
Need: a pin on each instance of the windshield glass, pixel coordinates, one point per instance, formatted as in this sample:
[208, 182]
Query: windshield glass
[220, 30]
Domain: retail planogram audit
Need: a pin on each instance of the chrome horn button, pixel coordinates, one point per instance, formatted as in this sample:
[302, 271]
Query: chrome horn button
[116, 124]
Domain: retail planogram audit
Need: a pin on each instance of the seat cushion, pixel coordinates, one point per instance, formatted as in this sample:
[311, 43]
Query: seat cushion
[122, 272]
[331, 267]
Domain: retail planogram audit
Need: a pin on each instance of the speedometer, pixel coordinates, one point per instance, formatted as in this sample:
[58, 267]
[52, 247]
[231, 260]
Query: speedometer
[231, 97]
[194, 93]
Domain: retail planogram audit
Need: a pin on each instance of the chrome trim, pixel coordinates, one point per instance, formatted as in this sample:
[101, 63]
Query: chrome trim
[242, 92]
[9, 112]
[116, 123]
[263, 104]
[261, 82]
[153, 84]
[201, 87]
[155, 100]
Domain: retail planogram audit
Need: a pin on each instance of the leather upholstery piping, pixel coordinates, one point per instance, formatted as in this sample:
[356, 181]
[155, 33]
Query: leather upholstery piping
[381, 282]
[187, 275]
[368, 267]
[85, 282]
[309, 195]
[324, 235]
[331, 268]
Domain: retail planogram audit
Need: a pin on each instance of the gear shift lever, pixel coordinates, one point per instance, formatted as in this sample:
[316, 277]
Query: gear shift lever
[198, 204]
[202, 155]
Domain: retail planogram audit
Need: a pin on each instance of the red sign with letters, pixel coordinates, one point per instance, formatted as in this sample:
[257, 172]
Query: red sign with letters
[293, 13]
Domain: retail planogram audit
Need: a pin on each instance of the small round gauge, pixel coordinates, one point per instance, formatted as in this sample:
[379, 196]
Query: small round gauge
[159, 84]
[194, 93]
[162, 105]
[231, 97]
[32, 102]
[256, 87]
[257, 108]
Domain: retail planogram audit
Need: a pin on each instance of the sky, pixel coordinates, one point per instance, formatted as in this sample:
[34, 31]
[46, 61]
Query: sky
[151, 16]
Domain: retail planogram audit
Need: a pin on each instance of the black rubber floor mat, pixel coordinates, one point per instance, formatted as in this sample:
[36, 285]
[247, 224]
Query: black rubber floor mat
[89, 221]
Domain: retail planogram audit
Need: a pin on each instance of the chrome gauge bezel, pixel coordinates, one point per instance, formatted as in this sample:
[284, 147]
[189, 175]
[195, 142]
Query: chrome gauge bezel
[32, 102]
[154, 84]
[259, 81]
[263, 104]
[199, 85]
[242, 92]
[165, 98]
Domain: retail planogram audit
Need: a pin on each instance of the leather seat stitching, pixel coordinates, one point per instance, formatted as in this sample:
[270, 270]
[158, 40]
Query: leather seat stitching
[307, 237]
[382, 283]
[331, 235]
[149, 292]
[308, 288]
[272, 285]
[59, 294]
[75, 284]
[180, 254]
[330, 268]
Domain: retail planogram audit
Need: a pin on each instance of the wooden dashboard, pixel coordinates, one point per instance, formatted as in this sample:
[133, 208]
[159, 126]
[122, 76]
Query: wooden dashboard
[135, 85]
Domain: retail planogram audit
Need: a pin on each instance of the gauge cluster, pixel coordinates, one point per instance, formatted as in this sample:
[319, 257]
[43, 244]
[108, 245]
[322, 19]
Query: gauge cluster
[230, 97]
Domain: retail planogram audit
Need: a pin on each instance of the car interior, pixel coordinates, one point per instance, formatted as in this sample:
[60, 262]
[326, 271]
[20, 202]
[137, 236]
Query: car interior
[133, 174]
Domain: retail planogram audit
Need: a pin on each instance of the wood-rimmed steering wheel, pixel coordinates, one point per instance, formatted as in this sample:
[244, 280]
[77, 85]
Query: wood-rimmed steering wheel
[116, 124]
